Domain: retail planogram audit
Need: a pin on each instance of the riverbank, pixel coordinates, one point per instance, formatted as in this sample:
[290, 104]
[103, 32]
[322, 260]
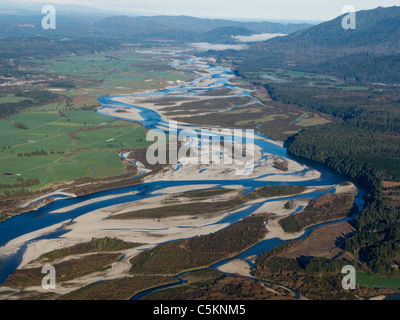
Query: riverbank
[81, 218]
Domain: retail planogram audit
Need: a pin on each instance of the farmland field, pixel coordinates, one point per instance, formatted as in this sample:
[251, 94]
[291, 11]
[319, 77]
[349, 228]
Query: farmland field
[92, 153]
[62, 141]
[371, 280]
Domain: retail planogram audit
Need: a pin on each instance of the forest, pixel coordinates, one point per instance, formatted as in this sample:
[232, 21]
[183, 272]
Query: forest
[360, 67]
[366, 130]
[363, 144]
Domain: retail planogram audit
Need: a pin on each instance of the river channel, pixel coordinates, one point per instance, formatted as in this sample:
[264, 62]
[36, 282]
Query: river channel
[216, 77]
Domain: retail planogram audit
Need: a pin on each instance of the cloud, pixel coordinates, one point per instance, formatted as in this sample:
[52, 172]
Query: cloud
[205, 46]
[258, 37]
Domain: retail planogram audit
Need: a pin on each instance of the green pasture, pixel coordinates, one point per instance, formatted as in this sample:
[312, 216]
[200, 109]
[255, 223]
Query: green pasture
[71, 150]
[11, 98]
[124, 72]
[375, 281]
[93, 153]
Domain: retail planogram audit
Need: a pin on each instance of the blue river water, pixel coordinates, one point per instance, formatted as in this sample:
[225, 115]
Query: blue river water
[45, 217]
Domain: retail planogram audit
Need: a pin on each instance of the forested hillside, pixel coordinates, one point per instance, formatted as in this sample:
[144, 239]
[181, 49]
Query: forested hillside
[369, 53]
[352, 75]
[364, 144]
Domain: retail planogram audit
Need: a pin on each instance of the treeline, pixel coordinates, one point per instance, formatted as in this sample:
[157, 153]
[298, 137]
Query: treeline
[38, 96]
[45, 48]
[316, 278]
[21, 184]
[356, 68]
[377, 241]
[360, 111]
[363, 145]
[313, 277]
[278, 191]
[366, 158]
[368, 54]
[315, 265]
[361, 68]
[10, 108]
[21, 125]
[38, 153]
[34, 98]
[16, 193]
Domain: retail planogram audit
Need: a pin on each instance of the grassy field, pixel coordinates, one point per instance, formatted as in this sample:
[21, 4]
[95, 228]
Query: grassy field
[120, 72]
[63, 141]
[70, 153]
[7, 98]
[315, 120]
[375, 281]
[270, 117]
[289, 75]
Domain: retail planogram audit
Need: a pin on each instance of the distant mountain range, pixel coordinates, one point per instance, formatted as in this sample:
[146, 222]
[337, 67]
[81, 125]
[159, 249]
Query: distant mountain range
[33, 7]
[124, 28]
[200, 25]
[371, 52]
[376, 30]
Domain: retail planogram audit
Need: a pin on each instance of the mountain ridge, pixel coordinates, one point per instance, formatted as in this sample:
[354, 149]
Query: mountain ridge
[144, 28]
[328, 48]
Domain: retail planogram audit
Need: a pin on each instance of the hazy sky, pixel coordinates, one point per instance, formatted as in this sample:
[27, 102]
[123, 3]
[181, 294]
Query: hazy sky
[318, 10]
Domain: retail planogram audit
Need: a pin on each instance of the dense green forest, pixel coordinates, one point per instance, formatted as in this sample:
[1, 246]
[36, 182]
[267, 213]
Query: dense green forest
[360, 67]
[363, 140]
[364, 144]
[369, 53]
